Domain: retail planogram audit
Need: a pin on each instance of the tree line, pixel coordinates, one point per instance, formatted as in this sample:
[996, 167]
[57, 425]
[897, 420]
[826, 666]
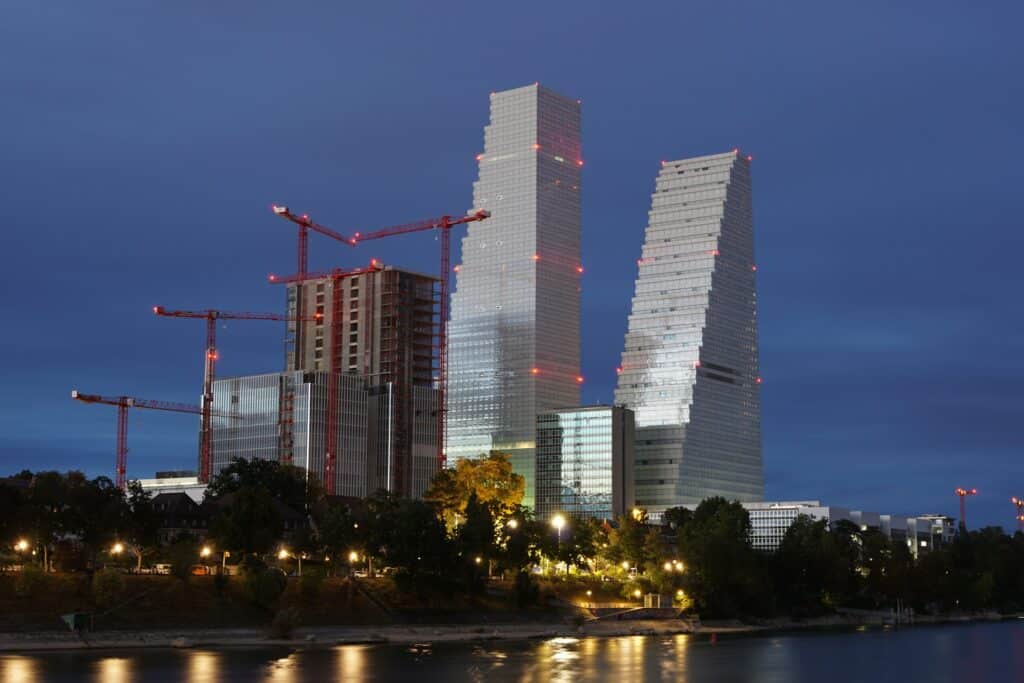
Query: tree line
[471, 525]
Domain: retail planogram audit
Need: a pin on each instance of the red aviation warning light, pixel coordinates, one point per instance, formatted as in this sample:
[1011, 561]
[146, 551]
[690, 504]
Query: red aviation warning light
[579, 269]
[618, 370]
[534, 371]
[579, 379]
[536, 257]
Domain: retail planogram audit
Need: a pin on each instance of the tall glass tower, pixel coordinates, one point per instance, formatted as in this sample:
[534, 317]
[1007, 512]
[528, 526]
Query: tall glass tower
[690, 365]
[514, 344]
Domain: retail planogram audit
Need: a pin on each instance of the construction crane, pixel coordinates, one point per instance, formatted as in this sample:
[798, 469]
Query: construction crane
[123, 403]
[1019, 503]
[336, 276]
[962, 493]
[211, 316]
[305, 225]
[444, 225]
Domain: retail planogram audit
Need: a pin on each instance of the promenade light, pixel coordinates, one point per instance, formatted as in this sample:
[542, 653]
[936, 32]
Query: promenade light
[206, 551]
[513, 524]
[282, 554]
[117, 549]
[478, 559]
[353, 557]
[21, 546]
[558, 521]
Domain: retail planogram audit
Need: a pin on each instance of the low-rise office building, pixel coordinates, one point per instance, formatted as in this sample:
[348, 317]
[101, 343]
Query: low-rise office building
[584, 465]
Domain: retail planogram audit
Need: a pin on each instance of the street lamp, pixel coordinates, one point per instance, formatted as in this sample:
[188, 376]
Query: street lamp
[513, 524]
[117, 549]
[282, 554]
[204, 554]
[558, 521]
[21, 546]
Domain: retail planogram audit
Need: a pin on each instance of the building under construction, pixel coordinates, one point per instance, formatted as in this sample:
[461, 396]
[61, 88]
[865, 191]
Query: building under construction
[356, 405]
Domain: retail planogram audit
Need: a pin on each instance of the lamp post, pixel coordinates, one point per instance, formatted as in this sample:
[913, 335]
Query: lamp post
[204, 553]
[558, 521]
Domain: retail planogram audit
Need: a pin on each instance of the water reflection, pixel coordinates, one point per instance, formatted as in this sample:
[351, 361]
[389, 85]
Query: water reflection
[114, 670]
[351, 663]
[203, 667]
[283, 670]
[19, 669]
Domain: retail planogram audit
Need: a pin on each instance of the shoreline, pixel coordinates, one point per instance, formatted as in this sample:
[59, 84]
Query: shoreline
[332, 636]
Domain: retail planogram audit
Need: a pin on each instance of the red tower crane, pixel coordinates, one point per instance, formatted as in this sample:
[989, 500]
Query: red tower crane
[962, 493]
[305, 225]
[442, 223]
[123, 403]
[336, 276]
[1019, 502]
[211, 316]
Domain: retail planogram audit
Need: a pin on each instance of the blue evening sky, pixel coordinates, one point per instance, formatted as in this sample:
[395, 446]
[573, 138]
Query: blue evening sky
[144, 140]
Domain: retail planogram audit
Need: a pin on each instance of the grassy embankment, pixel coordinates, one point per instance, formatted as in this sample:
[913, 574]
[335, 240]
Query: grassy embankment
[155, 602]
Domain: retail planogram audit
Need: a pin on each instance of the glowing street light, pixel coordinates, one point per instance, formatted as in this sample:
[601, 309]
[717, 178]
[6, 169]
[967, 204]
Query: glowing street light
[513, 523]
[282, 554]
[206, 551]
[478, 559]
[117, 549]
[21, 546]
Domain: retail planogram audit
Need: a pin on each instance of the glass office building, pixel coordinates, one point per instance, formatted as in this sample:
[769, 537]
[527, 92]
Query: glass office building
[514, 342]
[585, 462]
[255, 415]
[690, 365]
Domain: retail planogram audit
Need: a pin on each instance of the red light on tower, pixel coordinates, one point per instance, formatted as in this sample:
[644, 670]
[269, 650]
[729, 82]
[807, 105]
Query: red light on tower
[479, 157]
[750, 157]
[696, 363]
[536, 146]
[580, 162]
[753, 269]
[534, 371]
[618, 370]
[715, 252]
[536, 257]
[579, 379]
[758, 380]
[579, 269]
[456, 269]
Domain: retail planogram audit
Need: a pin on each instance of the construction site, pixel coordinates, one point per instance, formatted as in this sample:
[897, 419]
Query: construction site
[359, 401]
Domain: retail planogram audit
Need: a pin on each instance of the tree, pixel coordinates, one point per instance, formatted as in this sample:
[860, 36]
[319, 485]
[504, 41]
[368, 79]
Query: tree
[490, 478]
[339, 534]
[247, 522]
[626, 542]
[286, 483]
[141, 526]
[721, 566]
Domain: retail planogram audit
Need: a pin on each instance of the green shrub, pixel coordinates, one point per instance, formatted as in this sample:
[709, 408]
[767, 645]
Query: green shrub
[31, 582]
[107, 587]
[266, 586]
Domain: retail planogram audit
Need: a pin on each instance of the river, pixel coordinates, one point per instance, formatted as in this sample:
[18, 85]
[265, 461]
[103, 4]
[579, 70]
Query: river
[964, 653]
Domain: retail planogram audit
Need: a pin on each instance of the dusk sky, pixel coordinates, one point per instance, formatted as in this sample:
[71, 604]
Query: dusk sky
[144, 141]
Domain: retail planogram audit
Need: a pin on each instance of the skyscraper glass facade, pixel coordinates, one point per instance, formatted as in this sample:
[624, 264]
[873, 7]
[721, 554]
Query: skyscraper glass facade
[514, 331]
[690, 365]
[585, 462]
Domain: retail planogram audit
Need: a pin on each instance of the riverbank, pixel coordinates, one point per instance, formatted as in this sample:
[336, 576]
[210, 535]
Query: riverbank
[319, 637]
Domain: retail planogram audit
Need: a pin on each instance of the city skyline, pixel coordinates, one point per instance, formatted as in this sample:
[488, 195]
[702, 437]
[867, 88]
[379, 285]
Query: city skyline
[887, 351]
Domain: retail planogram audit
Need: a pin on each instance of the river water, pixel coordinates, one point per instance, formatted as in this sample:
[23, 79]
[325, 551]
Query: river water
[965, 653]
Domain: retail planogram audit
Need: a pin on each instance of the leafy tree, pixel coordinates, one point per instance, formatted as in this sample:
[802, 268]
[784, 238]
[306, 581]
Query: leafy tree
[721, 567]
[490, 478]
[626, 542]
[339, 534]
[247, 522]
[141, 524]
[519, 539]
[286, 483]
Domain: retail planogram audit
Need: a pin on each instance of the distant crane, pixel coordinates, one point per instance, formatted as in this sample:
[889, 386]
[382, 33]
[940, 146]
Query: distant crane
[442, 223]
[962, 493]
[211, 316]
[123, 403]
[1019, 502]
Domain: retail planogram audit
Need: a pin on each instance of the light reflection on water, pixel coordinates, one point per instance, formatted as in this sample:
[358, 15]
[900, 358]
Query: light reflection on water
[967, 653]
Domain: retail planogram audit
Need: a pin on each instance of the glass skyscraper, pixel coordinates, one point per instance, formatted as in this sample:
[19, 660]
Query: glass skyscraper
[585, 462]
[690, 365]
[514, 344]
